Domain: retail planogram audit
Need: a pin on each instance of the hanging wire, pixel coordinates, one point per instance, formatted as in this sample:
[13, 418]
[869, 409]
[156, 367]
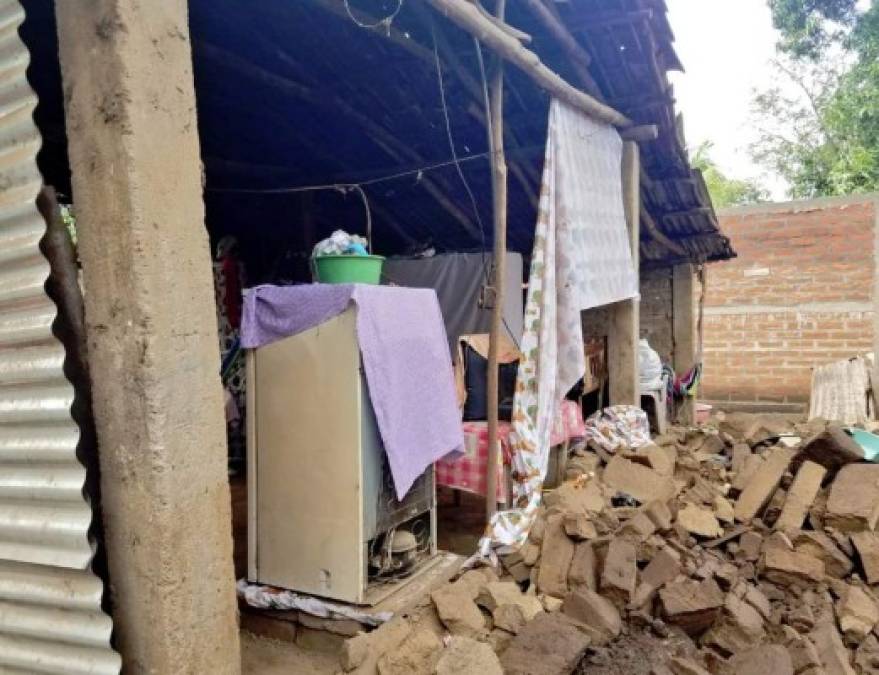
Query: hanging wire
[384, 23]
[455, 160]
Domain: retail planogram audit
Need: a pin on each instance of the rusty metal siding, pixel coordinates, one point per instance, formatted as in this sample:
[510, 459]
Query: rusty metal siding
[50, 600]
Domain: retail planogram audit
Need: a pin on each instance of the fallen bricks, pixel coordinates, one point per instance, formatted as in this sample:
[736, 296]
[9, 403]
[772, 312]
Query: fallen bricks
[676, 537]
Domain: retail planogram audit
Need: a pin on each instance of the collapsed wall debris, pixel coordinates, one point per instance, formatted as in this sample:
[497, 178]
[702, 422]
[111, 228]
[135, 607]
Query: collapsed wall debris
[750, 550]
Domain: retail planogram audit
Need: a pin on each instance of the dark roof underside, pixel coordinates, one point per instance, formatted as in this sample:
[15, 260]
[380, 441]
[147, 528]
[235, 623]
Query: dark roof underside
[294, 93]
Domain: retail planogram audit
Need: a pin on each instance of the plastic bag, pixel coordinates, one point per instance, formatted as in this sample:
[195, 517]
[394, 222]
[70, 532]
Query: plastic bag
[649, 367]
[341, 243]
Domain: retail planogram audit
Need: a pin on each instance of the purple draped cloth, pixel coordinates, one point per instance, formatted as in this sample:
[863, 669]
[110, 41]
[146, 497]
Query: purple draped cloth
[405, 353]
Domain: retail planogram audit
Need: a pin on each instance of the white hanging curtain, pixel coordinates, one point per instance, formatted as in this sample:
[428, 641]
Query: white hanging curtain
[581, 259]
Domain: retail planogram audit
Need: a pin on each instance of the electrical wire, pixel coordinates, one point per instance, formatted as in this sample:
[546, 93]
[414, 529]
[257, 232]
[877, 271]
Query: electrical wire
[385, 22]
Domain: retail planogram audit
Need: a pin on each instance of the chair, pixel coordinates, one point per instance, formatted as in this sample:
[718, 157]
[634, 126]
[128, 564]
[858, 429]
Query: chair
[658, 399]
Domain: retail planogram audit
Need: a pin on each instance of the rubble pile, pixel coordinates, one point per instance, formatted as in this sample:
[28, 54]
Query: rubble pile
[752, 538]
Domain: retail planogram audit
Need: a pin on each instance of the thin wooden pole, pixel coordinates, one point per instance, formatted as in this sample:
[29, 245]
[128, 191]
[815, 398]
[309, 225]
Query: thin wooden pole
[499, 199]
[465, 15]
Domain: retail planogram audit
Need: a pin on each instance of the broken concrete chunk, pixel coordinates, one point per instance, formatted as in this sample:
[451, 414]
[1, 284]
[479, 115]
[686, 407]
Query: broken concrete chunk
[551, 644]
[416, 655]
[800, 496]
[739, 627]
[579, 526]
[499, 640]
[832, 449]
[819, 545]
[507, 594]
[530, 554]
[857, 614]
[699, 521]
[757, 493]
[754, 597]
[763, 660]
[853, 503]
[789, 568]
[584, 568]
[639, 527]
[579, 465]
[660, 458]
[458, 612]
[551, 604]
[642, 483]
[867, 546]
[464, 655]
[834, 655]
[555, 559]
[620, 571]
[596, 612]
[691, 605]
[473, 581]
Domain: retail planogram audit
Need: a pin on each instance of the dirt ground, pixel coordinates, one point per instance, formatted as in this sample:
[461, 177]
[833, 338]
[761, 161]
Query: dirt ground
[263, 656]
[635, 653]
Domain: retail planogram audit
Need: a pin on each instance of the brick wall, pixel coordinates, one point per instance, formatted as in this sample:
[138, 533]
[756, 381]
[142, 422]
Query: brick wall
[799, 295]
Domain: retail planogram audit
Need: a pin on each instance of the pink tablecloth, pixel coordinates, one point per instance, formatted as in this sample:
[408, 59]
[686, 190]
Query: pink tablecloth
[469, 472]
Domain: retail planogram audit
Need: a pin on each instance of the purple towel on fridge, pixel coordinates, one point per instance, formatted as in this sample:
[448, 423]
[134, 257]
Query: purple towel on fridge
[405, 353]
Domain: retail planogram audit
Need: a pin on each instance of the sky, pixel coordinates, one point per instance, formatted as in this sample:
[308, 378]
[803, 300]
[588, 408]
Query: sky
[726, 47]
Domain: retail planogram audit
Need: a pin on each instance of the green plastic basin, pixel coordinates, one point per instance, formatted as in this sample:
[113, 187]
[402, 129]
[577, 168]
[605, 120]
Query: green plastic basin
[349, 269]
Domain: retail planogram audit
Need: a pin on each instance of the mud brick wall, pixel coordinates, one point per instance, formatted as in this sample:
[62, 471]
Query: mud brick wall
[655, 315]
[800, 294]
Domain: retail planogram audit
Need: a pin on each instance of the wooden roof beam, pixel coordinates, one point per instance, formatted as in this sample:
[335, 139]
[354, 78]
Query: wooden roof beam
[579, 57]
[658, 235]
[601, 20]
[467, 17]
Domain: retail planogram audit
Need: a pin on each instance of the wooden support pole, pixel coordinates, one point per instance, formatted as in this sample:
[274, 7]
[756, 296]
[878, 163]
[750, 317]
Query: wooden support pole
[465, 15]
[684, 331]
[499, 199]
[625, 324]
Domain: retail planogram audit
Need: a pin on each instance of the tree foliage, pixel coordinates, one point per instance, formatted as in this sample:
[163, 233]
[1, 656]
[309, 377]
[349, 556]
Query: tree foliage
[725, 191]
[820, 128]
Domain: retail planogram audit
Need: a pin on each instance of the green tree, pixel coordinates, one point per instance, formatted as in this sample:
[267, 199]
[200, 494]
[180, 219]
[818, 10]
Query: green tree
[820, 130]
[725, 191]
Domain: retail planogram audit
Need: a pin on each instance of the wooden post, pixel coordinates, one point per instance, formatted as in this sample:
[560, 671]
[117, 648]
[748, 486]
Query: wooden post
[624, 327]
[684, 331]
[499, 199]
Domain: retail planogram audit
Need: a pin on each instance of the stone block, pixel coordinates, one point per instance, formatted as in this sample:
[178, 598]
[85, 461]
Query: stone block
[699, 521]
[853, 503]
[834, 655]
[819, 545]
[458, 612]
[583, 572]
[365, 649]
[464, 655]
[551, 644]
[800, 496]
[555, 558]
[664, 567]
[749, 546]
[759, 489]
[659, 514]
[750, 468]
[762, 660]
[639, 527]
[739, 628]
[692, 605]
[579, 526]
[619, 576]
[595, 611]
[417, 655]
[643, 483]
[867, 547]
[857, 614]
[789, 568]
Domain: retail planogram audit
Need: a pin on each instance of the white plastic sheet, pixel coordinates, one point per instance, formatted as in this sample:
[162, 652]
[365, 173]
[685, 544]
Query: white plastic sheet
[581, 259]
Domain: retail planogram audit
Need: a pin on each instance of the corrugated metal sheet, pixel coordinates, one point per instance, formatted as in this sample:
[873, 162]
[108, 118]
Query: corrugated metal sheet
[50, 600]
